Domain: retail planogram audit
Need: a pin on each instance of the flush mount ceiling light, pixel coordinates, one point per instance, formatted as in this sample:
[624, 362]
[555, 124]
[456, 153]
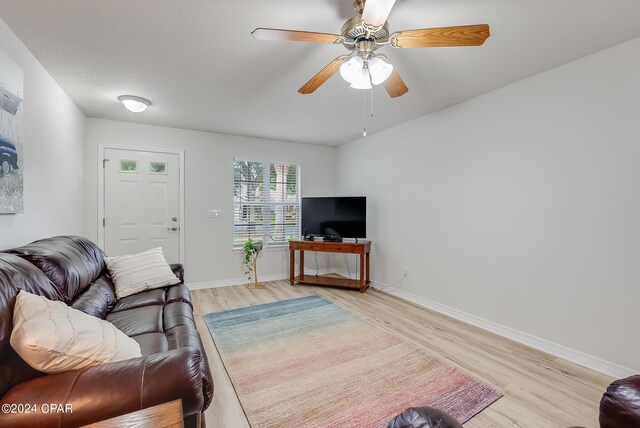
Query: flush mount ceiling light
[134, 104]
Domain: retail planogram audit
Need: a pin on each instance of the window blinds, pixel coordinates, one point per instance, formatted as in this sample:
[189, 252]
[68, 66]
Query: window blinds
[266, 202]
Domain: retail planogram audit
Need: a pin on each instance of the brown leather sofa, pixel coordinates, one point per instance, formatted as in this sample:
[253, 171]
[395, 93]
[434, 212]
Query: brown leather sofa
[173, 363]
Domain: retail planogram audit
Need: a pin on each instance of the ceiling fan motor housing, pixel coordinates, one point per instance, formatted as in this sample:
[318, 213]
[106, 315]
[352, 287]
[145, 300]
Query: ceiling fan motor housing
[353, 31]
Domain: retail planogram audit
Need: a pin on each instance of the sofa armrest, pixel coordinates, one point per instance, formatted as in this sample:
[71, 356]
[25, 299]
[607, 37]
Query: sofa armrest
[93, 394]
[178, 270]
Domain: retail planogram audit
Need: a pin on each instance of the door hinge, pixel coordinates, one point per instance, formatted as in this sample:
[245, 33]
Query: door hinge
[104, 163]
[104, 222]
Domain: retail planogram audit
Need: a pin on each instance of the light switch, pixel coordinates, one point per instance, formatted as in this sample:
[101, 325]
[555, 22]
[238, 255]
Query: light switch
[214, 213]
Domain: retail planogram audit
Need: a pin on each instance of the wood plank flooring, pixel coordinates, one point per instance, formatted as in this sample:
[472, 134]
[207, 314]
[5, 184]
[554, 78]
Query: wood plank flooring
[540, 390]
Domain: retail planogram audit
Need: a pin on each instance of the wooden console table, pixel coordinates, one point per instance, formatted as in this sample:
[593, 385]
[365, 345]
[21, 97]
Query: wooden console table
[166, 415]
[363, 248]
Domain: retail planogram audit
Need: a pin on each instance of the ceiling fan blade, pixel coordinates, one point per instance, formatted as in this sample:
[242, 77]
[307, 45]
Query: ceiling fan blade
[376, 12]
[323, 75]
[294, 36]
[395, 86]
[465, 35]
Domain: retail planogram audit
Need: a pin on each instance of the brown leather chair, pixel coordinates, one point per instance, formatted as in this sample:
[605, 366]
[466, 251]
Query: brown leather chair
[173, 363]
[620, 404]
[423, 417]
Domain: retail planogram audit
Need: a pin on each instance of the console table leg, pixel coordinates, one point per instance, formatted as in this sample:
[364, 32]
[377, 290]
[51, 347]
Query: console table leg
[301, 265]
[362, 283]
[367, 258]
[292, 262]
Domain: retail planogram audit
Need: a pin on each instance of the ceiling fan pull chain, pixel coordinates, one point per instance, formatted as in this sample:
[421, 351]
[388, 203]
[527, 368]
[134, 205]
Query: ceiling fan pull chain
[372, 113]
[364, 113]
[364, 110]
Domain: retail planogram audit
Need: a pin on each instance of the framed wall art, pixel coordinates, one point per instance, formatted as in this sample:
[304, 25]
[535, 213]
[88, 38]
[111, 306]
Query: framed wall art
[11, 150]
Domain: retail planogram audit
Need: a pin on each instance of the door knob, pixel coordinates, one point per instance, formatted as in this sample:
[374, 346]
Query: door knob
[173, 229]
[174, 219]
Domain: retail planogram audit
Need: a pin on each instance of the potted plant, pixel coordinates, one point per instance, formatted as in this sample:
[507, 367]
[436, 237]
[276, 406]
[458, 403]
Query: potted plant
[250, 258]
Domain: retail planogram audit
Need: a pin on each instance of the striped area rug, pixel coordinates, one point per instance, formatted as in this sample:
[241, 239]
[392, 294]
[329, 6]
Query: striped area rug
[308, 362]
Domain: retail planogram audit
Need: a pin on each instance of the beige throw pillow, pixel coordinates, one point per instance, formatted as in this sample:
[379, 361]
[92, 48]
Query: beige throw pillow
[53, 337]
[139, 272]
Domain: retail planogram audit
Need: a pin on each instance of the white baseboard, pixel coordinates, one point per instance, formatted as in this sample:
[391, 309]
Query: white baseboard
[555, 349]
[233, 281]
[561, 351]
[243, 280]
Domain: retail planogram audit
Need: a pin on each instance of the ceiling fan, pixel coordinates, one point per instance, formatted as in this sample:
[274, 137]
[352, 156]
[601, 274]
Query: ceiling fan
[367, 32]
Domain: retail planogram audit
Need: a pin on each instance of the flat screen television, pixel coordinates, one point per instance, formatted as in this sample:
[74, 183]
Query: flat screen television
[335, 217]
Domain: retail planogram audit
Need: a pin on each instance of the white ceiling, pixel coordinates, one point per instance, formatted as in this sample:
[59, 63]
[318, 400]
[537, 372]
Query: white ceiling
[198, 64]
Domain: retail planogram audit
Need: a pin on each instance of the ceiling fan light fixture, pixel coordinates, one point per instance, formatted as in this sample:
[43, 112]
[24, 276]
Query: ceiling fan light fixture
[355, 73]
[362, 81]
[134, 104]
[360, 76]
[351, 69]
[380, 70]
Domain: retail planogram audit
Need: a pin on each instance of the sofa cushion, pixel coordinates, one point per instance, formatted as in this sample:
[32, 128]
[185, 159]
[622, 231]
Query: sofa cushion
[98, 299]
[70, 262]
[152, 343]
[17, 274]
[53, 337]
[132, 322]
[134, 273]
[179, 293]
[146, 298]
[177, 314]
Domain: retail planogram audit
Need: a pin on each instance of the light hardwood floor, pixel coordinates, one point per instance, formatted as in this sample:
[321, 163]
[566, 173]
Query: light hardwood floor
[540, 390]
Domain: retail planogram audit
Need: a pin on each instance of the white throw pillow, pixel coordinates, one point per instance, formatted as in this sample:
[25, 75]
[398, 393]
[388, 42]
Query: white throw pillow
[53, 337]
[139, 272]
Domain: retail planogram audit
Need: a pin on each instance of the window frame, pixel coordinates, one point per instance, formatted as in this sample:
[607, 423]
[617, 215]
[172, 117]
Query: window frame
[279, 246]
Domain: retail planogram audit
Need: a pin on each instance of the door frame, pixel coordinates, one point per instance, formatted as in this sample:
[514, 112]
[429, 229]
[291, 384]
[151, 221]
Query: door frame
[101, 190]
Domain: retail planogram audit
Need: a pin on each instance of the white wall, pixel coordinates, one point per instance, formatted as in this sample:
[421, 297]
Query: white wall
[209, 185]
[53, 140]
[521, 207]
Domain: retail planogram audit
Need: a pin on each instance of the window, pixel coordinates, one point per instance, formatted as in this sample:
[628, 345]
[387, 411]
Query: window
[157, 168]
[127, 165]
[266, 202]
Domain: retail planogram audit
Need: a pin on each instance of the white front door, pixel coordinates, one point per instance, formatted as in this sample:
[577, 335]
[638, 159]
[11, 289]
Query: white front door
[141, 202]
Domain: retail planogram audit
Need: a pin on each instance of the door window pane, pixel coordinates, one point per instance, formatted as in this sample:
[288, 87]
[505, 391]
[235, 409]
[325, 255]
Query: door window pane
[127, 165]
[158, 167]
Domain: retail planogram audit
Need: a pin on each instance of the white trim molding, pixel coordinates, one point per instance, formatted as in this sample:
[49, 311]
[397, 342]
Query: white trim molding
[244, 281]
[543, 345]
[232, 281]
